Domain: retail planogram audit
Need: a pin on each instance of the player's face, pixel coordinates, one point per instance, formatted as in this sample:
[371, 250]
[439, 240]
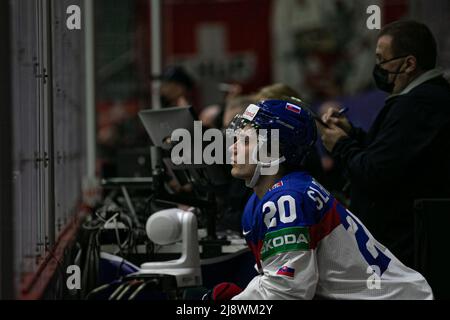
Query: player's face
[241, 153]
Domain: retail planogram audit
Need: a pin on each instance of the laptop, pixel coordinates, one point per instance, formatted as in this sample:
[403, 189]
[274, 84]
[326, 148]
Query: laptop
[161, 123]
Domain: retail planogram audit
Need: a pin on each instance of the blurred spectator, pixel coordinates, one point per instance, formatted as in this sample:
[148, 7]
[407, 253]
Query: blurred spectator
[210, 116]
[232, 90]
[276, 91]
[176, 87]
[119, 131]
[406, 153]
[235, 106]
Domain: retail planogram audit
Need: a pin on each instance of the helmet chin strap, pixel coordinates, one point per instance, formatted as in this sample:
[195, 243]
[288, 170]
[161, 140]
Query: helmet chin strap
[259, 165]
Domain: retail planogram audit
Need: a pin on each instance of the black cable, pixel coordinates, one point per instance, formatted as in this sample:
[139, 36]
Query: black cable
[94, 229]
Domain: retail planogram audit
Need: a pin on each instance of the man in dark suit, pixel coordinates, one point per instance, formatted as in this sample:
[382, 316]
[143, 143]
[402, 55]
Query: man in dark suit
[406, 153]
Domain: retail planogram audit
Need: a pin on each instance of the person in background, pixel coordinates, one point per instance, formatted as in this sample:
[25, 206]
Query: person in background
[176, 87]
[212, 115]
[406, 154]
[276, 91]
[236, 106]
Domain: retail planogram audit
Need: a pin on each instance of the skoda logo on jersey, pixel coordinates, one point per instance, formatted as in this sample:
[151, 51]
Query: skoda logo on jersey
[285, 240]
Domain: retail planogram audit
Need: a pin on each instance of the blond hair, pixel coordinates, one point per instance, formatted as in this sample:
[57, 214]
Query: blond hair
[276, 91]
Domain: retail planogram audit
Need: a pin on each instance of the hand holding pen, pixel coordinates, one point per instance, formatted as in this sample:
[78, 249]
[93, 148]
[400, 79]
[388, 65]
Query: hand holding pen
[337, 118]
[340, 113]
[336, 127]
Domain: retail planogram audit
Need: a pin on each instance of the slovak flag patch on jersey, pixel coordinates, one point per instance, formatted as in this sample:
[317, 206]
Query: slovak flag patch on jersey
[276, 185]
[293, 108]
[286, 271]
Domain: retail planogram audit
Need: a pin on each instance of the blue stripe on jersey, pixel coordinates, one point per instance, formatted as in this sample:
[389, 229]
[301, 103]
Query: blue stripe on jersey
[350, 224]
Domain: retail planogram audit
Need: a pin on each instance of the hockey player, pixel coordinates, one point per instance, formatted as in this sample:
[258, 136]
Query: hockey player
[305, 243]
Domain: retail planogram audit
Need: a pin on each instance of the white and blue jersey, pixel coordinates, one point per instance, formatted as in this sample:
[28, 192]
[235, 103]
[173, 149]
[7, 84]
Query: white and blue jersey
[308, 245]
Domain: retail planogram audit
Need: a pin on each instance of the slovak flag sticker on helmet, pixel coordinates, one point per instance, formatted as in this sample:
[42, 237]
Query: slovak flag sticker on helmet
[293, 108]
[286, 271]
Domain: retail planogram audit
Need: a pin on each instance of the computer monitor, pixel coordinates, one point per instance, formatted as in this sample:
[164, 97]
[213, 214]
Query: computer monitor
[160, 124]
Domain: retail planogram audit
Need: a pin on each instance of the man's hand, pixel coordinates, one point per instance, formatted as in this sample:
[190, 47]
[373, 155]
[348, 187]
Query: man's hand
[330, 117]
[331, 135]
[338, 127]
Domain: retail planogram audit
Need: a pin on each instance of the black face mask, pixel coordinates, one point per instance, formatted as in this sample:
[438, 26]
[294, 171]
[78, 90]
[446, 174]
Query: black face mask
[381, 76]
